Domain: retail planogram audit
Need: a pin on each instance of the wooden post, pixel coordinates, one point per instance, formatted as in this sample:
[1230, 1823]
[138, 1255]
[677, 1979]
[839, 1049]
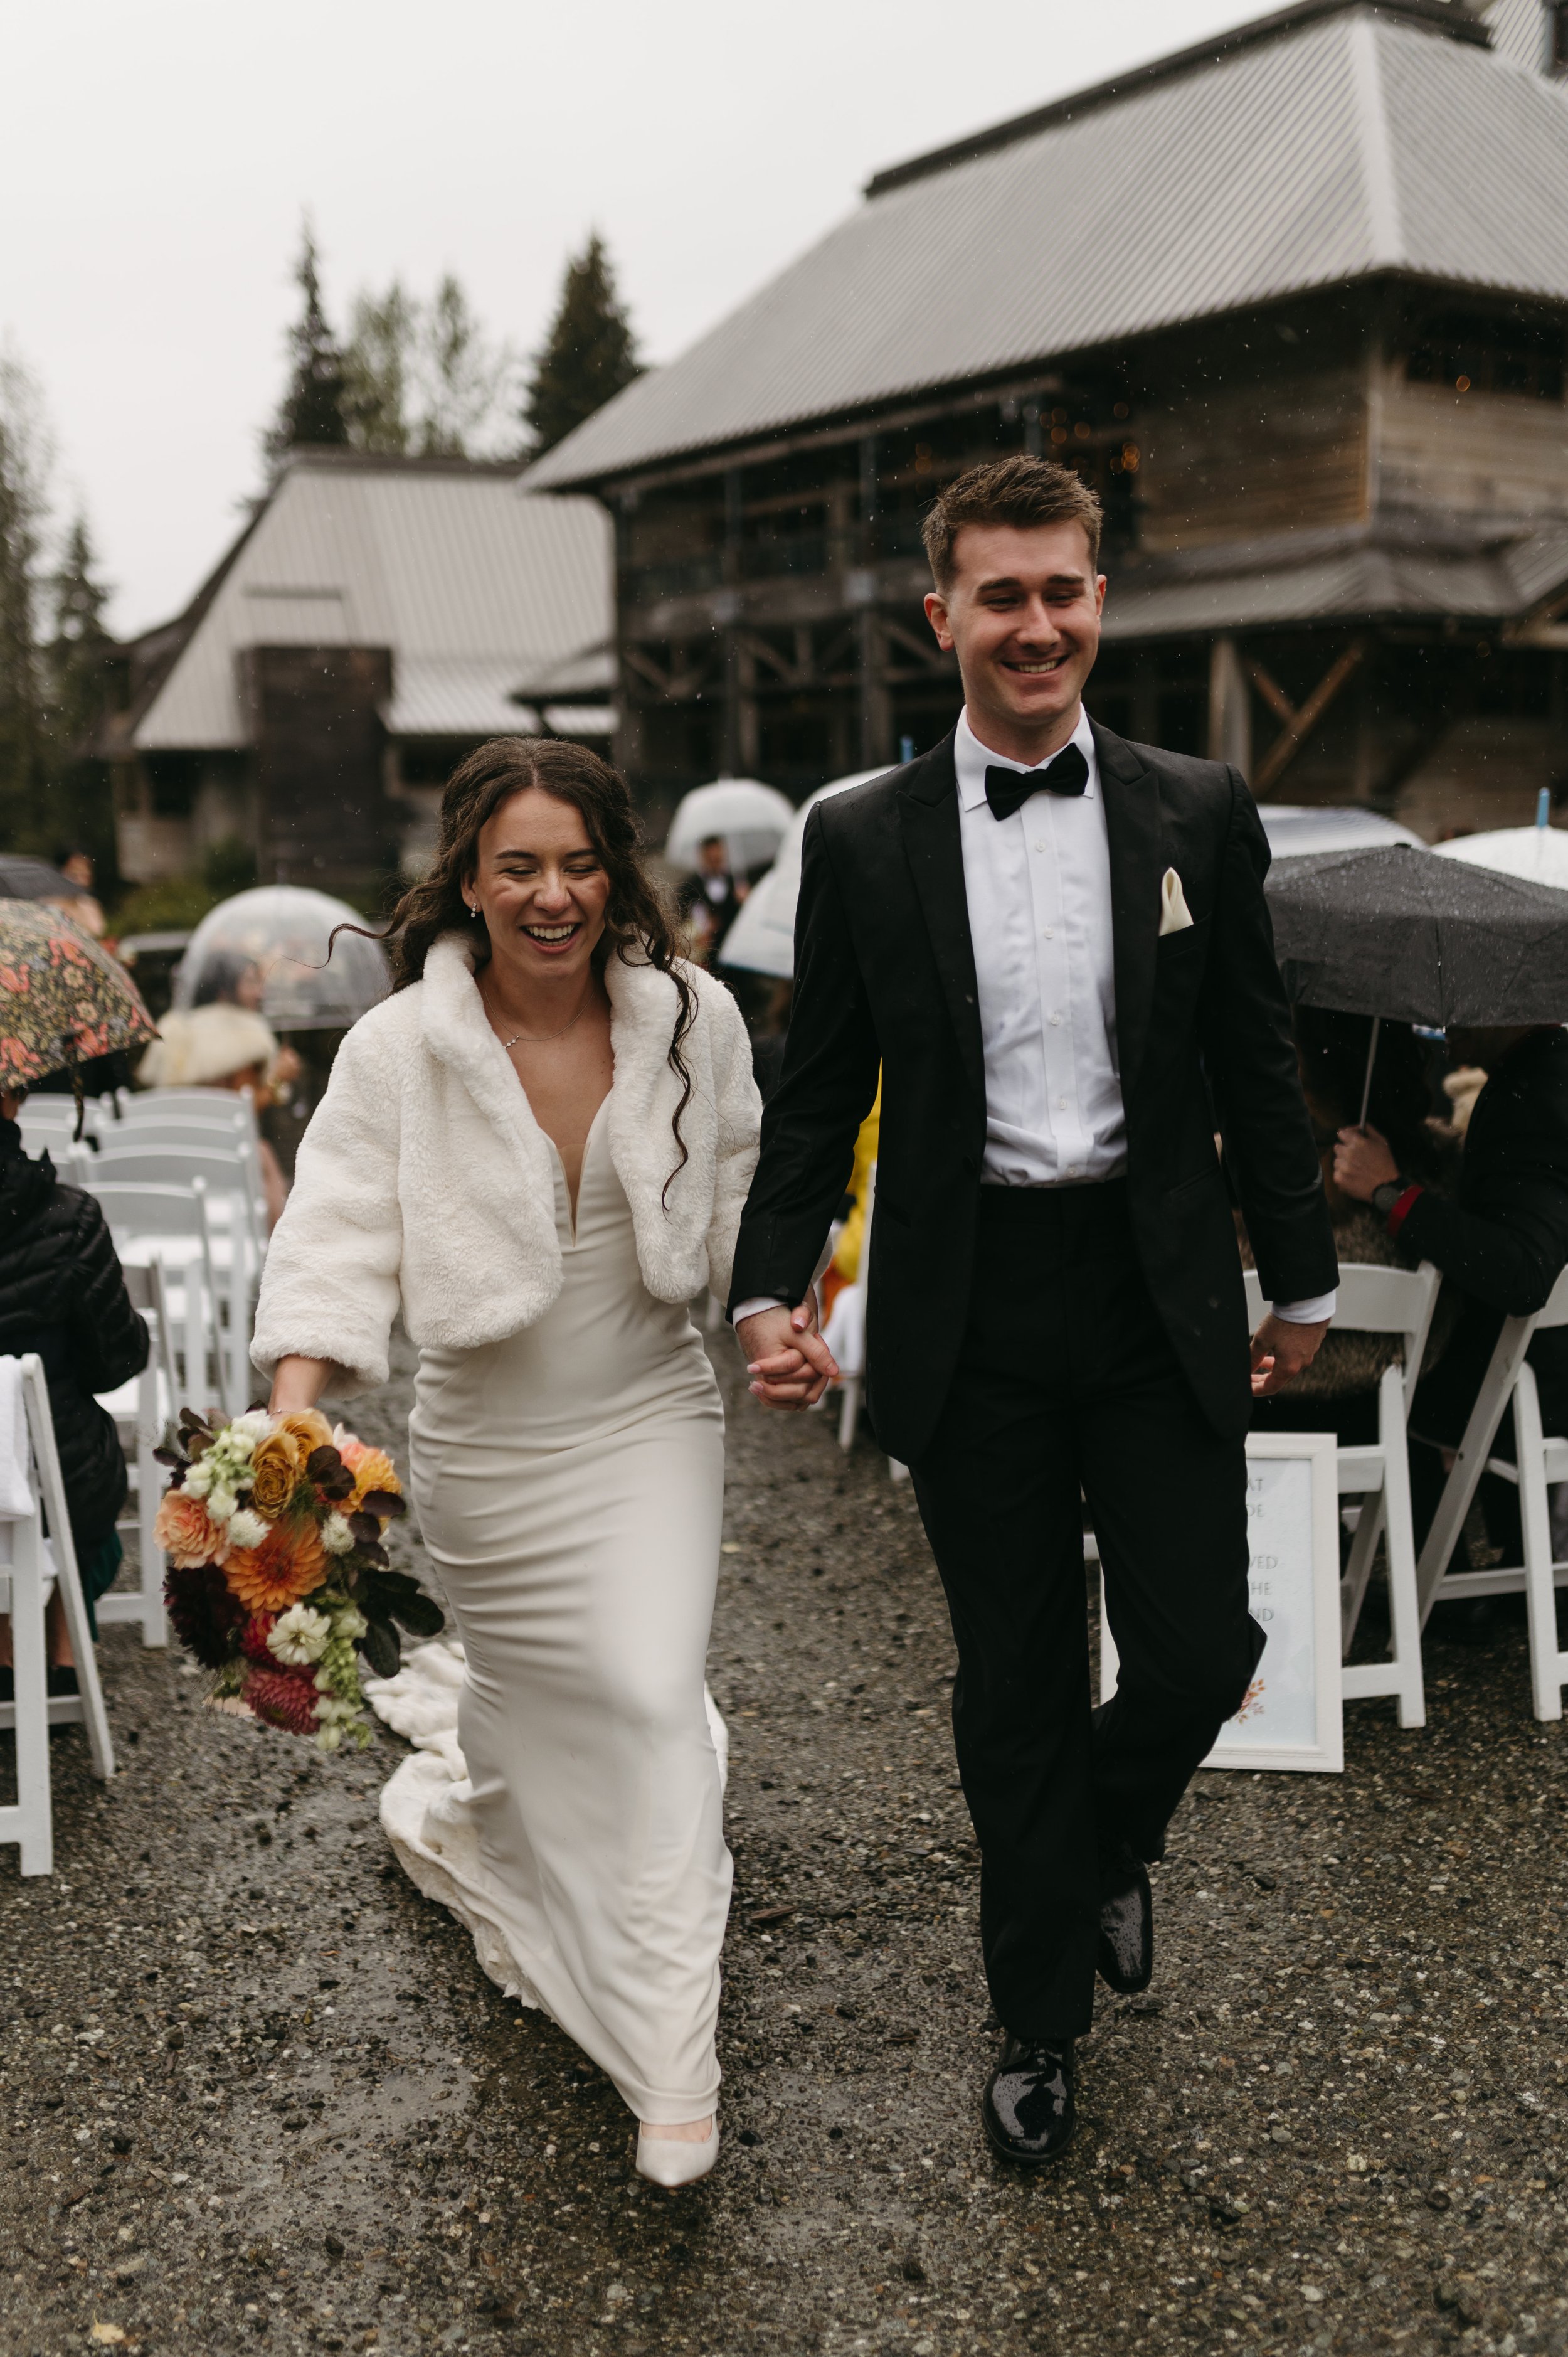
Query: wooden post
[1229, 707]
[1297, 726]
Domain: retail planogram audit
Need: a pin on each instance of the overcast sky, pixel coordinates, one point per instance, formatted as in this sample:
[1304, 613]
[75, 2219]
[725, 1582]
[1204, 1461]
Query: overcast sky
[157, 161]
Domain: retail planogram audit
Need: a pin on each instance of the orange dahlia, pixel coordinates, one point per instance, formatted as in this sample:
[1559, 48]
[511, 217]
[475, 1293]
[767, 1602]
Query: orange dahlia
[187, 1532]
[290, 1561]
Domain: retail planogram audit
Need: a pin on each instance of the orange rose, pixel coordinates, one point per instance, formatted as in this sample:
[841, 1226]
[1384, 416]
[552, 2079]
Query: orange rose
[187, 1532]
[288, 1565]
[372, 1468]
[307, 1430]
[275, 1474]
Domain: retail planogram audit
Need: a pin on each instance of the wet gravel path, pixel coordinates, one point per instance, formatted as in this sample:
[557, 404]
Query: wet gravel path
[252, 2087]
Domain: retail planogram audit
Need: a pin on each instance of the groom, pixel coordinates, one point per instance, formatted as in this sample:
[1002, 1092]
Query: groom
[1054, 948]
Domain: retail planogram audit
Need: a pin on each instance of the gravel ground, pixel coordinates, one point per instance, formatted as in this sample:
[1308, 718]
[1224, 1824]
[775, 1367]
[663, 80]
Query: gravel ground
[252, 2085]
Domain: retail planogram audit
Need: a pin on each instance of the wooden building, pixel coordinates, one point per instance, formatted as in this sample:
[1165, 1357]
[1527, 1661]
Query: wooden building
[376, 620]
[1295, 301]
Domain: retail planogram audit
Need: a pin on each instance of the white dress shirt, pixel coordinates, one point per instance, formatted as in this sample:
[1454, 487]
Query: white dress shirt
[1038, 889]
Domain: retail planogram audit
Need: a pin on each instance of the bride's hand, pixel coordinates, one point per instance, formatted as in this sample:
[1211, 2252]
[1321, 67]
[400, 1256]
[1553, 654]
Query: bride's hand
[297, 1384]
[789, 1362]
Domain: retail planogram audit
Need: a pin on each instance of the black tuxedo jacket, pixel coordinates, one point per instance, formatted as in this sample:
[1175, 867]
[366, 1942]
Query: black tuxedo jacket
[884, 978]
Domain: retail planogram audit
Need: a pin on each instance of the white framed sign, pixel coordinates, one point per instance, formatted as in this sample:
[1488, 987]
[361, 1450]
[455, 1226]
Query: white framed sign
[1293, 1716]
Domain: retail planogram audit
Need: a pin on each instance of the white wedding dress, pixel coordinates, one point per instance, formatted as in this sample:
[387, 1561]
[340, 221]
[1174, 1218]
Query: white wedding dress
[565, 1795]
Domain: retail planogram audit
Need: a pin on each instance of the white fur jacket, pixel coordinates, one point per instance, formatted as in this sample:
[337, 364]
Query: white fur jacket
[424, 1175]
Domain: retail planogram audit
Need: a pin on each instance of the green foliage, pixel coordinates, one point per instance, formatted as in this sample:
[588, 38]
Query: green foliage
[423, 378]
[229, 867]
[79, 663]
[588, 355]
[23, 468]
[312, 416]
[173, 904]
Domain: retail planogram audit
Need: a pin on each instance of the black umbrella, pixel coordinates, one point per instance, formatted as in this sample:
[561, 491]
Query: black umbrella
[1393, 933]
[22, 878]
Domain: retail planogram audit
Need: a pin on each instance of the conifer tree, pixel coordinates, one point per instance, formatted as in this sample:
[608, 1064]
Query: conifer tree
[589, 354]
[312, 412]
[378, 363]
[22, 469]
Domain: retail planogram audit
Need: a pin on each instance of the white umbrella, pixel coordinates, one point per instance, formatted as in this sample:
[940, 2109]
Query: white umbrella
[277, 941]
[1538, 854]
[1297, 830]
[762, 938]
[751, 817]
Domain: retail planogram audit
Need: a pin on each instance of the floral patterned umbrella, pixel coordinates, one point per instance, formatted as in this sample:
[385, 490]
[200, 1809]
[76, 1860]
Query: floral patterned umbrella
[62, 998]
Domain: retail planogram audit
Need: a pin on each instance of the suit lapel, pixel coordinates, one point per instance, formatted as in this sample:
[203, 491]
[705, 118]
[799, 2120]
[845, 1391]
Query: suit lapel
[1136, 835]
[928, 809]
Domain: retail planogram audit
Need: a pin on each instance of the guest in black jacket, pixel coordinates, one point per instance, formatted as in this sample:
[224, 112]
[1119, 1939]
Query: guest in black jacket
[62, 1295]
[1501, 1245]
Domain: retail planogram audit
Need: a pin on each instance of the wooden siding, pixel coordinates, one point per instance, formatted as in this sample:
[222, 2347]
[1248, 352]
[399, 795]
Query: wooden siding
[1476, 452]
[1236, 462]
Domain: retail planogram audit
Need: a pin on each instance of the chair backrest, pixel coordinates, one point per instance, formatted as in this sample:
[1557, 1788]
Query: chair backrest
[50, 1122]
[177, 1129]
[137, 1209]
[223, 1167]
[1376, 1300]
[199, 1104]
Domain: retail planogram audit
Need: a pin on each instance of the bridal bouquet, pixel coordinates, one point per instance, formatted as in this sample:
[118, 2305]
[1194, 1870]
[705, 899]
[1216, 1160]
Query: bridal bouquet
[277, 1579]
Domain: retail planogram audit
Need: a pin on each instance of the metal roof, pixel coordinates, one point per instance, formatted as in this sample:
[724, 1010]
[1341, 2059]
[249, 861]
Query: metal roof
[1355, 573]
[1348, 138]
[473, 588]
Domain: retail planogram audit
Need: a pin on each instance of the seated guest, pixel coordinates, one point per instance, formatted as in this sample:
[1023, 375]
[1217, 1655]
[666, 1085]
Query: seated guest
[1501, 1243]
[1338, 1393]
[62, 1295]
[224, 1044]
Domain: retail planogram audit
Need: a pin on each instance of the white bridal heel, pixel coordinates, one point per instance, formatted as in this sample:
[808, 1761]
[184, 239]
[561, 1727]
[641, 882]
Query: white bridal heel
[675, 2161]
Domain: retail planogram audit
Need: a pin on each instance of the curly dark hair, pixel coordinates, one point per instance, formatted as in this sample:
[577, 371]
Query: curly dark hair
[636, 925]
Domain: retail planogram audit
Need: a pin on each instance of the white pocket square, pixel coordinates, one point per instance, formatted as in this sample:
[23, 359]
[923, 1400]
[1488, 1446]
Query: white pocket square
[1174, 915]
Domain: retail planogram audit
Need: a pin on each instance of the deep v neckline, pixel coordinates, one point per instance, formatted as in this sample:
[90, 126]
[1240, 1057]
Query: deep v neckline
[575, 1204]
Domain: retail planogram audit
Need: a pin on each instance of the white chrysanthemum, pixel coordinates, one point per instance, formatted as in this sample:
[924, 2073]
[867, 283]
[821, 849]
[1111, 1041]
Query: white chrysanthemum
[198, 1480]
[336, 1536]
[349, 1623]
[246, 1527]
[221, 1501]
[299, 1635]
[248, 1430]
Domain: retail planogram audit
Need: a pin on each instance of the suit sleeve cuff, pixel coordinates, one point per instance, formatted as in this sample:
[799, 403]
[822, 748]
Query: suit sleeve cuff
[749, 1308]
[1316, 1312]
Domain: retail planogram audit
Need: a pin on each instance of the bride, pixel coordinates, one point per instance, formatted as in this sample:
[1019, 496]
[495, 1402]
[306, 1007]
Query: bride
[538, 1147]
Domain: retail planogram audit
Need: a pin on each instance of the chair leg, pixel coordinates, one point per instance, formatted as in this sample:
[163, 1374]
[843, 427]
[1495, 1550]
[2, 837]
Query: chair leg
[35, 1806]
[1358, 1570]
[150, 1566]
[1404, 1605]
[849, 1411]
[1539, 1586]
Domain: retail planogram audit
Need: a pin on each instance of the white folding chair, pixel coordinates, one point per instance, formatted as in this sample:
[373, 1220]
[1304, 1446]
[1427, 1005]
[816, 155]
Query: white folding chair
[221, 1106]
[169, 1224]
[48, 1124]
[143, 1410]
[1542, 1461]
[33, 1568]
[232, 1180]
[1382, 1301]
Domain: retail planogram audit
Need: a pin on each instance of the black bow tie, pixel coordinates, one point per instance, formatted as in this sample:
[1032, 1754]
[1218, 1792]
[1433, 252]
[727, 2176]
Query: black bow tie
[1009, 790]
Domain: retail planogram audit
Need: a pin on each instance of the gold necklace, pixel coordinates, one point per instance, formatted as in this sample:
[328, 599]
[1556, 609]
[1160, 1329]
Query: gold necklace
[527, 1040]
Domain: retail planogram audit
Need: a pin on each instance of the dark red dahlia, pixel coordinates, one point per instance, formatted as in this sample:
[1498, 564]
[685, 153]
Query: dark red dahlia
[206, 1617]
[253, 1643]
[284, 1698]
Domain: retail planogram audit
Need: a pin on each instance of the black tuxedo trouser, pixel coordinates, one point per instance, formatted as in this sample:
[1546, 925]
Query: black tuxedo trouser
[1066, 1384]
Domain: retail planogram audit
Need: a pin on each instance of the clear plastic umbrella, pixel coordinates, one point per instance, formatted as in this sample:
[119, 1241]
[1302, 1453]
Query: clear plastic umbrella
[762, 938]
[752, 818]
[272, 949]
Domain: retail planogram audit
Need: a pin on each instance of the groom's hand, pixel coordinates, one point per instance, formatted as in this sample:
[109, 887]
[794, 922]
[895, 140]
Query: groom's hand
[787, 1361]
[1280, 1351]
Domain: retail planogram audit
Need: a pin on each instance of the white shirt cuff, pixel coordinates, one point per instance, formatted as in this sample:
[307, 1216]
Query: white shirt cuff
[750, 1309]
[1316, 1312]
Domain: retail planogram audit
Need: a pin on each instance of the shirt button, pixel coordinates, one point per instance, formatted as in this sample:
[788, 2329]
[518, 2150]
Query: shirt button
[1050, 933]
[1072, 1170]
[1061, 1104]
[1039, 846]
[1056, 1022]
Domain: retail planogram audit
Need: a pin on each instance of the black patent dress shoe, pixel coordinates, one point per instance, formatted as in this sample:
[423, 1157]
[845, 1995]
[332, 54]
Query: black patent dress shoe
[1126, 1954]
[1028, 2107]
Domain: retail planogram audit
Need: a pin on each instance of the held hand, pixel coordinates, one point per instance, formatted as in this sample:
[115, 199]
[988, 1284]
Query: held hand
[1280, 1351]
[789, 1362]
[297, 1384]
[1363, 1162]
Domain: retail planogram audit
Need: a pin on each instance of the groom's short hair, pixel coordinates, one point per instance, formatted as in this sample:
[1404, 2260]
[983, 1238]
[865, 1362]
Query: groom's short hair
[1020, 491]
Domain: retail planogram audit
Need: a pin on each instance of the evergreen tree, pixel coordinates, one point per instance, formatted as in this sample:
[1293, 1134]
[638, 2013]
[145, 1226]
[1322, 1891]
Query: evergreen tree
[79, 663]
[23, 460]
[463, 377]
[589, 354]
[312, 414]
[378, 363]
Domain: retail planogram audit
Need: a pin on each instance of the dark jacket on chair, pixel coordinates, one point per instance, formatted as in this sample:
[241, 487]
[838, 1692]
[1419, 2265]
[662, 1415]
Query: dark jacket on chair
[885, 977]
[62, 1296]
[1504, 1242]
